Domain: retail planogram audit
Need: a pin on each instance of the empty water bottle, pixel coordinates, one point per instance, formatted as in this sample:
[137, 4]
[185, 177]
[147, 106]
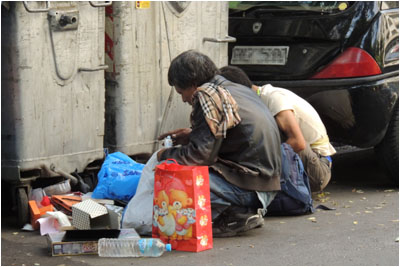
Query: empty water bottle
[143, 247]
[168, 141]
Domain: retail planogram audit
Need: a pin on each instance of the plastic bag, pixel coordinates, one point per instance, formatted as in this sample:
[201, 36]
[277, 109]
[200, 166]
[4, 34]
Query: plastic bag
[37, 194]
[53, 222]
[118, 177]
[58, 189]
[138, 213]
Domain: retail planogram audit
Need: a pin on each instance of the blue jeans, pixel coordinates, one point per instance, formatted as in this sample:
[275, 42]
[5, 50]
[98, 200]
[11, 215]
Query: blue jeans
[224, 195]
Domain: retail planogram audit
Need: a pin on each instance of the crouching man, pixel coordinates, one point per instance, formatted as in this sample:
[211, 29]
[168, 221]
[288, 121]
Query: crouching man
[300, 124]
[233, 133]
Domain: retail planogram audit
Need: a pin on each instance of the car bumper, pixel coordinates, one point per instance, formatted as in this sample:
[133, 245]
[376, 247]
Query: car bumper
[355, 111]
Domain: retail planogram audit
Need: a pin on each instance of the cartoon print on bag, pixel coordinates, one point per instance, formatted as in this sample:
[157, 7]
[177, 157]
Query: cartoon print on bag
[155, 215]
[179, 200]
[165, 220]
[201, 201]
[199, 180]
[173, 203]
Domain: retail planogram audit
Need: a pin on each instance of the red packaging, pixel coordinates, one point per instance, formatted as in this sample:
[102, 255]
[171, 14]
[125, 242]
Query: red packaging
[181, 207]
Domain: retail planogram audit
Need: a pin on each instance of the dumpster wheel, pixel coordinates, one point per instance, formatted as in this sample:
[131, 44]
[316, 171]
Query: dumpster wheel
[22, 207]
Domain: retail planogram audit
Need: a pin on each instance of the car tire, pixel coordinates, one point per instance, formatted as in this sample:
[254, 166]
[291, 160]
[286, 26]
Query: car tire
[22, 207]
[388, 149]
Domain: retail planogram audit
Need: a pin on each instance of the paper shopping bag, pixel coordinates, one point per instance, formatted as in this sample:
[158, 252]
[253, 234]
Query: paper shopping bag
[181, 206]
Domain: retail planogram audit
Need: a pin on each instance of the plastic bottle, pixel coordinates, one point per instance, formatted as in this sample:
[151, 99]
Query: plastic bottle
[168, 141]
[143, 247]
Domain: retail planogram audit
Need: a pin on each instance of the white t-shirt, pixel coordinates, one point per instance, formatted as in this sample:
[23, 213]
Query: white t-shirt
[314, 132]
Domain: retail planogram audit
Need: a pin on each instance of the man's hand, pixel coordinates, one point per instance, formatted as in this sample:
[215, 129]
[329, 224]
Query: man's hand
[178, 136]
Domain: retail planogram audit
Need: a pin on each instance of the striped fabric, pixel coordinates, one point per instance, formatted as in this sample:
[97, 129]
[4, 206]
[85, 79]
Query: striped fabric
[219, 108]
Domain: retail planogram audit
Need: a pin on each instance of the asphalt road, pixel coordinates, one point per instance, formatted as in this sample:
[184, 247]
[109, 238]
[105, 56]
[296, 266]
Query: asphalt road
[363, 230]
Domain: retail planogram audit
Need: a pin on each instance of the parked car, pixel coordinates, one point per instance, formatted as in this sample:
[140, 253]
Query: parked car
[343, 57]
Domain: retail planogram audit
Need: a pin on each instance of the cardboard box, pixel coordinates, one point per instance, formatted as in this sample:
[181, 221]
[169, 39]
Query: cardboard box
[59, 245]
[37, 212]
[114, 216]
[89, 214]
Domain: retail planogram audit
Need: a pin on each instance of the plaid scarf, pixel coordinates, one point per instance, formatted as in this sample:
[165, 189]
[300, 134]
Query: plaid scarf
[219, 108]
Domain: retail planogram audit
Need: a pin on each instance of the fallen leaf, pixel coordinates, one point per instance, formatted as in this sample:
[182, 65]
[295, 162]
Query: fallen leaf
[282, 222]
[363, 198]
[388, 190]
[355, 222]
[368, 211]
[346, 206]
[251, 246]
[338, 213]
[350, 201]
[377, 208]
[36, 264]
[313, 219]
[394, 220]
[360, 191]
[15, 233]
[380, 224]
[324, 199]
[29, 254]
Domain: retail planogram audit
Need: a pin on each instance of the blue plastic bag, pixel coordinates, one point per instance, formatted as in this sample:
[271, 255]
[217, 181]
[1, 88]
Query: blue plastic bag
[118, 177]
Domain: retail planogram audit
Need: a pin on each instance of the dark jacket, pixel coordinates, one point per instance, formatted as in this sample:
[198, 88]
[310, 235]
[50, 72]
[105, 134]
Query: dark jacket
[249, 157]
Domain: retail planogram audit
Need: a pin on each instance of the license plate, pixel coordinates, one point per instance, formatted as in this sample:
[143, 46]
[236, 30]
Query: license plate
[260, 55]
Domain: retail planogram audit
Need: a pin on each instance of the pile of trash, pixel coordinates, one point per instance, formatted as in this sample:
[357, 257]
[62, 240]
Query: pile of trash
[73, 222]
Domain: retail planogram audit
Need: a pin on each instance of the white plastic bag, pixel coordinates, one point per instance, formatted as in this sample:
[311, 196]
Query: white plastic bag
[138, 213]
[53, 222]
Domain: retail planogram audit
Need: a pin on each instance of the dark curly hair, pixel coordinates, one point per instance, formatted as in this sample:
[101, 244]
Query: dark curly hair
[236, 75]
[191, 68]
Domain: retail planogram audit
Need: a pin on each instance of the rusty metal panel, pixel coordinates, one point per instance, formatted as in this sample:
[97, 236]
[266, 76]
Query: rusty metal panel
[139, 102]
[52, 87]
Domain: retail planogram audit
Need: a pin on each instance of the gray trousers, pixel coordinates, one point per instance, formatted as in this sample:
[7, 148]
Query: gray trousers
[317, 168]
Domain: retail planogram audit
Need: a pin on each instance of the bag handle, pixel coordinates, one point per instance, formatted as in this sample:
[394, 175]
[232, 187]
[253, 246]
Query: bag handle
[174, 161]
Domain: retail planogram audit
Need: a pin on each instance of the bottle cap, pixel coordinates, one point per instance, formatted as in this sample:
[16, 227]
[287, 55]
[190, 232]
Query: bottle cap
[168, 247]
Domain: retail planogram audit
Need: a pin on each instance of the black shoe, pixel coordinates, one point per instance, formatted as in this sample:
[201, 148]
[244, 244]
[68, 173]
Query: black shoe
[230, 224]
